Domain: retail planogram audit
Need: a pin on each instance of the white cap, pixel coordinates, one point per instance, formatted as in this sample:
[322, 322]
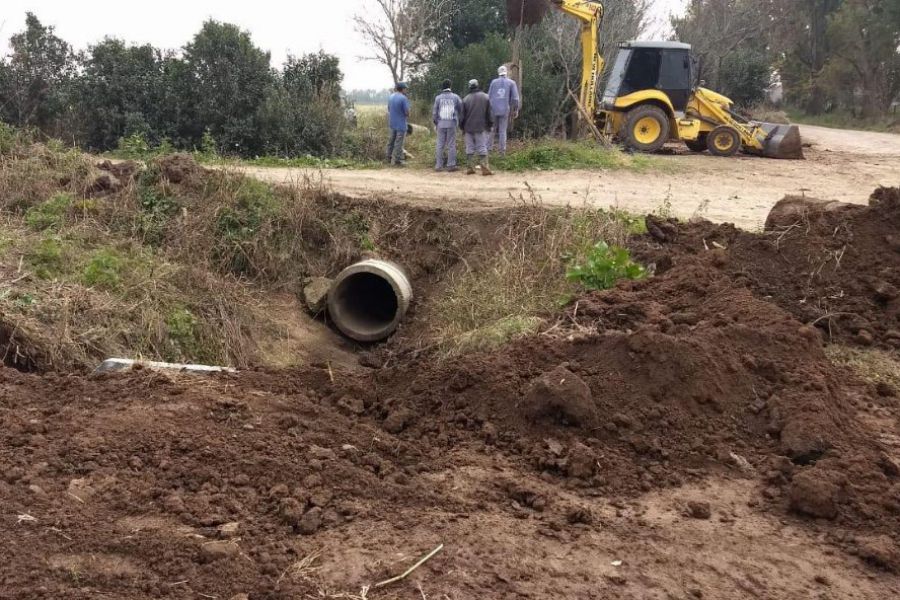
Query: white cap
[502, 71]
[473, 83]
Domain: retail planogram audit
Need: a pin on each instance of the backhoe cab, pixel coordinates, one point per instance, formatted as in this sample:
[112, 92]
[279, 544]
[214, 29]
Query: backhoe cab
[652, 96]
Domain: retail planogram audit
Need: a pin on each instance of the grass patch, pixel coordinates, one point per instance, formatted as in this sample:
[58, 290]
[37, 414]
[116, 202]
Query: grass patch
[50, 214]
[544, 155]
[104, 269]
[523, 281]
[871, 365]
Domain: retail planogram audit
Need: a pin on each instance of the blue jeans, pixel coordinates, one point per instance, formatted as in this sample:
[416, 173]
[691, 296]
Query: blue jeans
[395, 147]
[446, 141]
[477, 143]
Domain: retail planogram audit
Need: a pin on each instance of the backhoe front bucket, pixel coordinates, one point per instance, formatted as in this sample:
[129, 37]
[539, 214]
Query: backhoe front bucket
[782, 141]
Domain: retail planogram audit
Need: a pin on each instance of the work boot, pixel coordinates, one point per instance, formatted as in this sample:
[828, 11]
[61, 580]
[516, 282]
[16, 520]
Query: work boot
[485, 169]
[452, 169]
[470, 169]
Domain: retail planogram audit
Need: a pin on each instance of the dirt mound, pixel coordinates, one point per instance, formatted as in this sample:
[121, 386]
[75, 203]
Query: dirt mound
[178, 168]
[131, 484]
[833, 265]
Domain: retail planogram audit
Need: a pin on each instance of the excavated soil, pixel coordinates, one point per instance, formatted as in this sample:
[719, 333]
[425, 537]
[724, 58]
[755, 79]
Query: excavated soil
[683, 436]
[833, 265]
[306, 483]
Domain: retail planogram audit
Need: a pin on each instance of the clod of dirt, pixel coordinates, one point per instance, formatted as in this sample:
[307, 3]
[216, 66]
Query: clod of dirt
[311, 521]
[804, 440]
[882, 552]
[397, 420]
[315, 294]
[582, 462]
[661, 229]
[291, 511]
[812, 495]
[178, 168]
[562, 397]
[699, 510]
[124, 171]
[213, 551]
[103, 183]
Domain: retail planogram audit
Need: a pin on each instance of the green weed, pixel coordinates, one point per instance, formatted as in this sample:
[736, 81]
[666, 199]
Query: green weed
[104, 270]
[604, 266]
[182, 327]
[47, 258]
[49, 215]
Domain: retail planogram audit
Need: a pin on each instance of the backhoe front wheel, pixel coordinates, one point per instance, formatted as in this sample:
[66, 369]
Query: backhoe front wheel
[646, 128]
[723, 141]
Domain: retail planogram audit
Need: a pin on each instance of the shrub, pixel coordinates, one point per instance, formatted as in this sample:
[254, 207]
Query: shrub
[605, 265]
[46, 258]
[104, 270]
[50, 214]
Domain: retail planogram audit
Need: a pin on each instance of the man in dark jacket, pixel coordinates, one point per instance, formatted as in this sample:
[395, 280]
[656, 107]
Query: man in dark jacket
[476, 124]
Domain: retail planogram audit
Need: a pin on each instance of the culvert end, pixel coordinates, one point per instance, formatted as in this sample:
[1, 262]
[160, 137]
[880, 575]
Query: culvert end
[368, 300]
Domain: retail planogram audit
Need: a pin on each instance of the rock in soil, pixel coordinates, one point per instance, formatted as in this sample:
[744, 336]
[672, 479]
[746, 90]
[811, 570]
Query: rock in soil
[561, 397]
[812, 495]
[699, 510]
[311, 521]
[315, 294]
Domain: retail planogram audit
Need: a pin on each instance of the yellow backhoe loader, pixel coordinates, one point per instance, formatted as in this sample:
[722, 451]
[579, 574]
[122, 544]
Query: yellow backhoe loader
[653, 94]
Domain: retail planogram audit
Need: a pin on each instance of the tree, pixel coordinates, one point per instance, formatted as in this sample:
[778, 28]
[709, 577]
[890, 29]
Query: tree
[866, 47]
[402, 34]
[798, 33]
[227, 77]
[119, 93]
[35, 80]
[728, 36]
[313, 74]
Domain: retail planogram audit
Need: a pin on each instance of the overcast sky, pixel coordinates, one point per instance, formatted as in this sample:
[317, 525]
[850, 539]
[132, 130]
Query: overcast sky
[293, 27]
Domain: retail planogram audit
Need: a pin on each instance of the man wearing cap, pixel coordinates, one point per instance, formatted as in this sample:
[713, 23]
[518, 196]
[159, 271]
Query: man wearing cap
[398, 121]
[446, 115]
[504, 94]
[476, 124]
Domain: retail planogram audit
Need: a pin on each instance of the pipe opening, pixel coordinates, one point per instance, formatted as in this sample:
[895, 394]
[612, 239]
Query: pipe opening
[366, 306]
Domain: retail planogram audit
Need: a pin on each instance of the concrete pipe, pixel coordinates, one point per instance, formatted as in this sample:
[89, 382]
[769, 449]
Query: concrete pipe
[368, 300]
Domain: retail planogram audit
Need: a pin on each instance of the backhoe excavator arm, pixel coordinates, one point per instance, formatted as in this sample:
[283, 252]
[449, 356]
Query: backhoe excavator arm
[590, 13]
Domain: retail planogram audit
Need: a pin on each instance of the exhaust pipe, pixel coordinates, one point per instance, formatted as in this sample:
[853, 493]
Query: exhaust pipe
[368, 300]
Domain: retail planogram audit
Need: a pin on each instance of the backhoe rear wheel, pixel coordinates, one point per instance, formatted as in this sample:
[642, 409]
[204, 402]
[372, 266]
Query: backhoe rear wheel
[698, 145]
[646, 128]
[723, 141]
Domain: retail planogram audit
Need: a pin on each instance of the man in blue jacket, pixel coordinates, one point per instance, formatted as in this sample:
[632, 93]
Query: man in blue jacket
[398, 121]
[504, 94]
[446, 114]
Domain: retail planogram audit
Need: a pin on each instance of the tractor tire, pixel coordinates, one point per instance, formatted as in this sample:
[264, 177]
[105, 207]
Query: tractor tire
[698, 145]
[723, 141]
[646, 128]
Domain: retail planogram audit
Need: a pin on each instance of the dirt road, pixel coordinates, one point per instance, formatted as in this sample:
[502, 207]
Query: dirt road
[841, 165]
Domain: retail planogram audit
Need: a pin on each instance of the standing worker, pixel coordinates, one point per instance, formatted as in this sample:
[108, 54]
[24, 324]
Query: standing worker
[446, 114]
[476, 124]
[398, 121]
[504, 95]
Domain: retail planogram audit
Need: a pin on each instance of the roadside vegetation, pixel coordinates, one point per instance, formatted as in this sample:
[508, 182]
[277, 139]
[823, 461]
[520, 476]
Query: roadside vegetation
[174, 262]
[543, 259]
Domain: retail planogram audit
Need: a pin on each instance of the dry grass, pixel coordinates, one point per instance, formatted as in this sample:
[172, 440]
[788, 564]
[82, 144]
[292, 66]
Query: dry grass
[507, 290]
[172, 265]
[870, 364]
